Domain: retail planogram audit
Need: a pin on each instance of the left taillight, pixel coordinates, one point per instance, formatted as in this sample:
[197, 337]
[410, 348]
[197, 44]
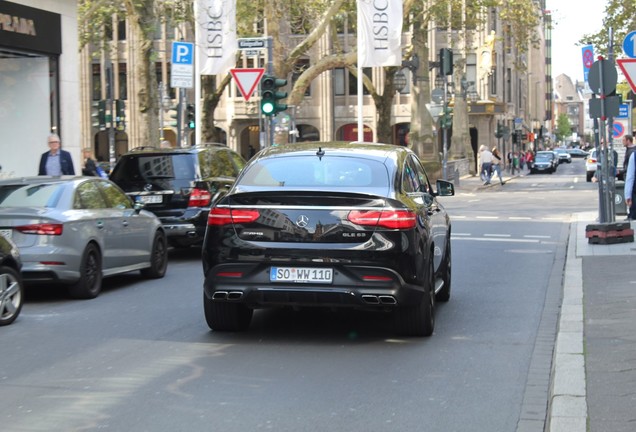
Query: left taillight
[225, 216]
[392, 219]
[41, 229]
[199, 198]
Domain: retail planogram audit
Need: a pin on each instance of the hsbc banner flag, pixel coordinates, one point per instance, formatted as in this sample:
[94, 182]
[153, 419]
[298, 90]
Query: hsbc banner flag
[379, 33]
[216, 36]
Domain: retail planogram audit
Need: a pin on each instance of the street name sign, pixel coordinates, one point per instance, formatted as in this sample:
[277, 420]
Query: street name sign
[247, 80]
[252, 43]
[182, 65]
[628, 66]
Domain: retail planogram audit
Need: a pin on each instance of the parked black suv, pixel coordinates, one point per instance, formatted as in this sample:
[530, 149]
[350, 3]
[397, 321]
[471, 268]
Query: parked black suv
[178, 185]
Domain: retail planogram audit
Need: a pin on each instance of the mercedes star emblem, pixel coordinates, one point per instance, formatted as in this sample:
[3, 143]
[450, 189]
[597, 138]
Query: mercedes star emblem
[302, 221]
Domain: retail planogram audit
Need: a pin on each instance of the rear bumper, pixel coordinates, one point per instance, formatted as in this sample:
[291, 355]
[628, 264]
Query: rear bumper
[185, 231]
[349, 289]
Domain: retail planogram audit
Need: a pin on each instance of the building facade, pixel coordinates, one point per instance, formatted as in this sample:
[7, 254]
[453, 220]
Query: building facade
[496, 84]
[39, 81]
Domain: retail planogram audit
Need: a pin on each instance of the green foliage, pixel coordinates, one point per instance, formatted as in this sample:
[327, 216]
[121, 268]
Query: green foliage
[95, 19]
[620, 16]
[521, 19]
[564, 129]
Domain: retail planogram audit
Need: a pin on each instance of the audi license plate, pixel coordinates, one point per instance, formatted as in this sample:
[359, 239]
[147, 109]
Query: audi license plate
[301, 275]
[149, 199]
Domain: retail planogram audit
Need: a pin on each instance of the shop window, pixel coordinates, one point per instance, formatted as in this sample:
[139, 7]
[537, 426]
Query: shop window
[97, 82]
[123, 84]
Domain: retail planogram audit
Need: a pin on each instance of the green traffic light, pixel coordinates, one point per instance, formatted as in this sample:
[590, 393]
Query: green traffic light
[270, 97]
[267, 108]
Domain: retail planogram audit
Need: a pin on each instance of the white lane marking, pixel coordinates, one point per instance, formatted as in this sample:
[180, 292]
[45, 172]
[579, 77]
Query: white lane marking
[497, 235]
[537, 236]
[495, 239]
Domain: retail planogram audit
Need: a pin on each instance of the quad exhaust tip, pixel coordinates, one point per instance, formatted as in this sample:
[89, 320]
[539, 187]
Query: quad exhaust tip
[227, 295]
[379, 299]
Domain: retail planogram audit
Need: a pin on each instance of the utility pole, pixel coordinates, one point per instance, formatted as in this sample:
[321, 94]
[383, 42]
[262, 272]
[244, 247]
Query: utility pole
[111, 109]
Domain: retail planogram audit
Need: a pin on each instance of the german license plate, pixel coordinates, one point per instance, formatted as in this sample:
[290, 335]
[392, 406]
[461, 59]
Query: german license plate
[301, 275]
[6, 233]
[150, 199]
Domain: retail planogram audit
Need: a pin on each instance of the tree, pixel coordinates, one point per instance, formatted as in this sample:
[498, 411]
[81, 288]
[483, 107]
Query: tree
[564, 128]
[142, 17]
[96, 17]
[620, 16]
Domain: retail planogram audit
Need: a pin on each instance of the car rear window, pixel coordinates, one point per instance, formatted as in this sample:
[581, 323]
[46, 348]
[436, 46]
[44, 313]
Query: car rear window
[314, 171]
[36, 195]
[153, 167]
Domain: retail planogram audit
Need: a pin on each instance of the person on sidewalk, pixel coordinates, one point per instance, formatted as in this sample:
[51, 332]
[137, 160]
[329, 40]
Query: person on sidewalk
[529, 159]
[56, 162]
[630, 187]
[89, 168]
[485, 160]
[497, 161]
[628, 142]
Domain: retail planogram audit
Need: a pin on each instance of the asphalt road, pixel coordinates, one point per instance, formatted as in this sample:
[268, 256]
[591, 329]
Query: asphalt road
[140, 357]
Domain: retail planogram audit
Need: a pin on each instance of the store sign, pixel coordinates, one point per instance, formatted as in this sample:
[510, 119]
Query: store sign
[29, 29]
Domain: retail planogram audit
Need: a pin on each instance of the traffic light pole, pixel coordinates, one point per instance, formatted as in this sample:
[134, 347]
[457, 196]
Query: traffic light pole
[180, 134]
[111, 124]
[445, 133]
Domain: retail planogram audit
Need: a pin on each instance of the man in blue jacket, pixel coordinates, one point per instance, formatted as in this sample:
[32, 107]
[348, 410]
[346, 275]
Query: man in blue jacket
[56, 162]
[630, 187]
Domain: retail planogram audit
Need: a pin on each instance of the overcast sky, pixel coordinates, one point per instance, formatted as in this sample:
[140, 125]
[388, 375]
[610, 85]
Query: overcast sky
[571, 20]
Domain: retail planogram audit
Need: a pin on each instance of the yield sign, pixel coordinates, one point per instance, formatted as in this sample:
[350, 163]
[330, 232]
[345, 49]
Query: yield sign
[628, 66]
[247, 80]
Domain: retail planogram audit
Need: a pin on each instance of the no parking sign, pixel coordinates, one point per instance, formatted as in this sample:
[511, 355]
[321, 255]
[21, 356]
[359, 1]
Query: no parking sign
[618, 129]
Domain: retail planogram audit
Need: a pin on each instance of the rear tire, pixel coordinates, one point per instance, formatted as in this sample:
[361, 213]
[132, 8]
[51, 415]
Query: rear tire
[222, 316]
[444, 294]
[158, 258]
[11, 295]
[419, 320]
[89, 284]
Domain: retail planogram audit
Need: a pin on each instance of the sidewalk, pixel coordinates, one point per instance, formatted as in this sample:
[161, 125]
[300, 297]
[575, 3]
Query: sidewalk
[586, 371]
[593, 379]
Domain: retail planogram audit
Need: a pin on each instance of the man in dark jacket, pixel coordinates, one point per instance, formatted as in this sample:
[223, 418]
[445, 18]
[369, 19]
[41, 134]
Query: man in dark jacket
[628, 142]
[56, 161]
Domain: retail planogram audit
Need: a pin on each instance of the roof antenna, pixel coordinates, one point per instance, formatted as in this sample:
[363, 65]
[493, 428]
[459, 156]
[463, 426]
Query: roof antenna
[320, 153]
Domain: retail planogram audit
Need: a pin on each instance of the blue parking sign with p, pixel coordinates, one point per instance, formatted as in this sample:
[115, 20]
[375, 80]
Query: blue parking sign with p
[182, 53]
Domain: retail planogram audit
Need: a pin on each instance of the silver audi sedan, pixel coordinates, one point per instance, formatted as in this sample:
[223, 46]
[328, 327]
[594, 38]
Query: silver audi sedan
[77, 230]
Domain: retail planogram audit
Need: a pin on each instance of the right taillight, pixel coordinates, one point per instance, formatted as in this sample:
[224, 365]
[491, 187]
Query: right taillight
[199, 198]
[392, 219]
[225, 216]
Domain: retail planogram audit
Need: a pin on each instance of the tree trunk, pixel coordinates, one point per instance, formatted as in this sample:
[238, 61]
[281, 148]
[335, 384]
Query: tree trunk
[421, 136]
[383, 106]
[145, 100]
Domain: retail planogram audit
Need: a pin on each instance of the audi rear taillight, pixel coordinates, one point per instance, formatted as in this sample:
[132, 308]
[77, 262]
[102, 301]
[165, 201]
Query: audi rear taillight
[225, 216]
[199, 198]
[393, 219]
[41, 229]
